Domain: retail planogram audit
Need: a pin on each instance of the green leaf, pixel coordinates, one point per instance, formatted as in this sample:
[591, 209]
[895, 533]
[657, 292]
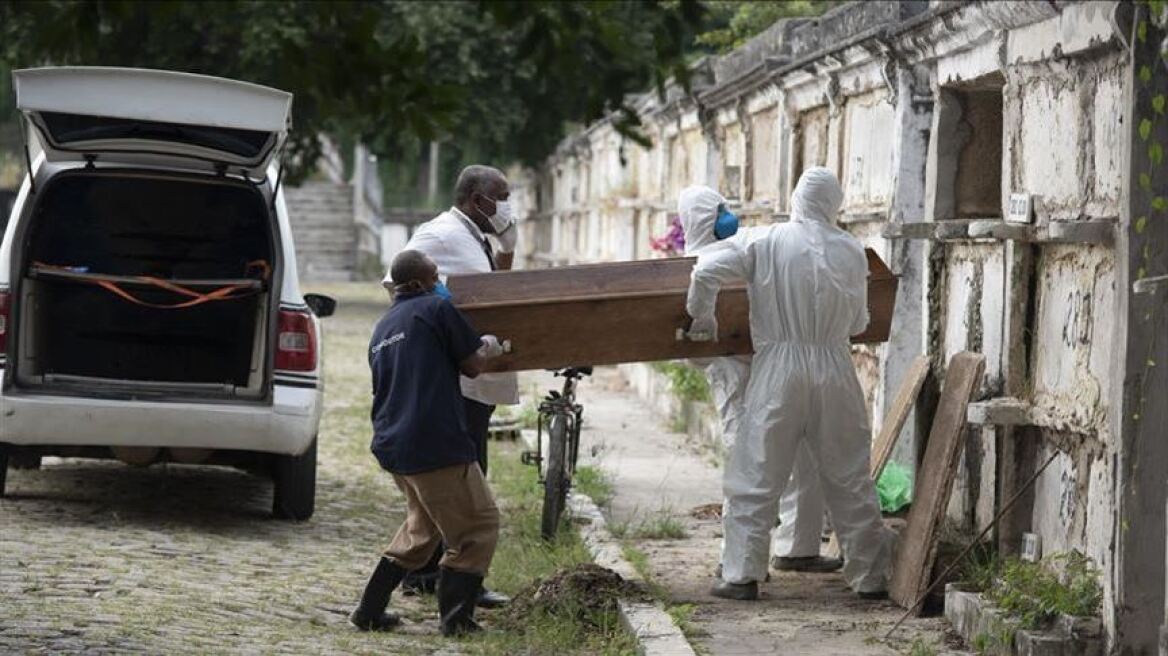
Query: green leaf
[1158, 103]
[1156, 153]
[1145, 129]
[1141, 273]
[1141, 224]
[1160, 203]
[1145, 74]
[1145, 182]
[1142, 31]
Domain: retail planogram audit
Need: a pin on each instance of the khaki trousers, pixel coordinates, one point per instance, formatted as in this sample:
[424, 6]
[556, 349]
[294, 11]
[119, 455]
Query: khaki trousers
[453, 505]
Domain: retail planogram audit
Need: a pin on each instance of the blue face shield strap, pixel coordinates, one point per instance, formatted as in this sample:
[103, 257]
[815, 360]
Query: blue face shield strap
[726, 224]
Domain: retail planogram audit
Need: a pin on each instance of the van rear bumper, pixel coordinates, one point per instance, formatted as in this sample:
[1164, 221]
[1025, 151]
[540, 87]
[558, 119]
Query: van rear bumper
[285, 427]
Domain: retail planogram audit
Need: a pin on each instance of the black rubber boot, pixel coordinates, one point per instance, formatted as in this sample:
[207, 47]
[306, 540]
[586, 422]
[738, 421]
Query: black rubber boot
[736, 591]
[458, 593]
[492, 599]
[424, 580]
[370, 614]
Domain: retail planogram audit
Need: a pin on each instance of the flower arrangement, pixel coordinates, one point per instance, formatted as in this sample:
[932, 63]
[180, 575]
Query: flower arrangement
[672, 243]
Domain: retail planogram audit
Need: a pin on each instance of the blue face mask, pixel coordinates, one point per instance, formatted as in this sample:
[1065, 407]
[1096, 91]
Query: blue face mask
[441, 290]
[726, 224]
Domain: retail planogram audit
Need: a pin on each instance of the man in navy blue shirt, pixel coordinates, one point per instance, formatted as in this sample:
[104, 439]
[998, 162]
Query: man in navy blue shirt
[420, 435]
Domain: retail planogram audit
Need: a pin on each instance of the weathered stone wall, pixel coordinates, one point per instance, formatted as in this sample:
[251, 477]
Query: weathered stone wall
[932, 117]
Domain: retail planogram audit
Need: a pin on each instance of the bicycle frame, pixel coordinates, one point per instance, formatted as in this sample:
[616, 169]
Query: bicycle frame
[564, 404]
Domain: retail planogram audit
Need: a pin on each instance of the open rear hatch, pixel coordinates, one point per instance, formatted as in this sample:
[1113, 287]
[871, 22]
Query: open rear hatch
[146, 285]
[139, 116]
[149, 277]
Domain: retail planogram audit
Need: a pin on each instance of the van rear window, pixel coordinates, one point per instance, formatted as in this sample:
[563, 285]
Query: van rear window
[71, 128]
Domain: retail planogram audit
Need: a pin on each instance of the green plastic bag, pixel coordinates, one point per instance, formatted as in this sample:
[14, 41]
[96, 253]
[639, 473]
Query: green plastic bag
[894, 487]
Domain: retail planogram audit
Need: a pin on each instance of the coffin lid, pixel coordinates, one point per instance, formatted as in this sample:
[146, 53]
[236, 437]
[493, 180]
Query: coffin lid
[607, 280]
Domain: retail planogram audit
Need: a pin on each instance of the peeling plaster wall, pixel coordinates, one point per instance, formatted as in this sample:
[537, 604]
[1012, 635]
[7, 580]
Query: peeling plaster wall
[1061, 140]
[813, 139]
[1076, 301]
[765, 151]
[1067, 144]
[868, 166]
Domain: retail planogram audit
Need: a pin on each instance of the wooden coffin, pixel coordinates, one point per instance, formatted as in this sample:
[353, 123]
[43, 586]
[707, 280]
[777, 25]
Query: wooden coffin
[617, 312]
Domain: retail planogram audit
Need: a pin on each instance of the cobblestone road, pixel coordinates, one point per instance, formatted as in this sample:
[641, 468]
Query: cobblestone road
[99, 557]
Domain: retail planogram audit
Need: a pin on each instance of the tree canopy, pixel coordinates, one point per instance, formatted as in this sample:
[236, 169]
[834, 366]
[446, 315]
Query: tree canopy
[501, 78]
[730, 23]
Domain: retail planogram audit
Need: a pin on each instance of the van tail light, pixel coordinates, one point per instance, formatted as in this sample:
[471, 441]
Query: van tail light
[296, 342]
[5, 314]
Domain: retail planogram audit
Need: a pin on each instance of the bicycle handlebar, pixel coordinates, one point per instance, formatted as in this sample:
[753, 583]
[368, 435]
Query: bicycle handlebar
[573, 372]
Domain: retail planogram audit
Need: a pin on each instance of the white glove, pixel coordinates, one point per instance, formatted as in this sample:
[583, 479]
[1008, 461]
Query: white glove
[491, 347]
[703, 329]
[508, 238]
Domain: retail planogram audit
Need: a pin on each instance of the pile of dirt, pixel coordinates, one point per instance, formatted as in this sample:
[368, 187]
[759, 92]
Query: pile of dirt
[586, 592]
[707, 511]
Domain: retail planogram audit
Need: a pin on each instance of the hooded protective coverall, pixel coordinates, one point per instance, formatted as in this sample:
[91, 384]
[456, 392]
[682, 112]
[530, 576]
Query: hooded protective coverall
[807, 285]
[801, 509]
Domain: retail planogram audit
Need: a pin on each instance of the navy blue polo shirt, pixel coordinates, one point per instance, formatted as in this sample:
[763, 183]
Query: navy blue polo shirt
[419, 424]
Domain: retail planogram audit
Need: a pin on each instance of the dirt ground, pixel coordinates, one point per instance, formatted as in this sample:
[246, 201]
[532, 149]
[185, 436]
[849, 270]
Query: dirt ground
[657, 475]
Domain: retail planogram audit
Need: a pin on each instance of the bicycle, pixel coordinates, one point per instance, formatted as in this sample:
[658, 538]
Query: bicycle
[562, 416]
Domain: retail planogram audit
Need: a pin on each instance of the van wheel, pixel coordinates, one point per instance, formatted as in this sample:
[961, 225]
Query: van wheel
[24, 460]
[295, 478]
[3, 467]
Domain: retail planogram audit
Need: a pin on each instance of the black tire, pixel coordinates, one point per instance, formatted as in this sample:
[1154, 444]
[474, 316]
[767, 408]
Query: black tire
[295, 479]
[3, 467]
[555, 484]
[24, 460]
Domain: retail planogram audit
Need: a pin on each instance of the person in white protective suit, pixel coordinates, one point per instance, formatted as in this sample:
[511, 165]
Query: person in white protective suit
[807, 285]
[708, 227]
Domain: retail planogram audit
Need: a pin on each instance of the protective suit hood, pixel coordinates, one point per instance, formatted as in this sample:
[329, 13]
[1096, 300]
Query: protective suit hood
[697, 207]
[817, 196]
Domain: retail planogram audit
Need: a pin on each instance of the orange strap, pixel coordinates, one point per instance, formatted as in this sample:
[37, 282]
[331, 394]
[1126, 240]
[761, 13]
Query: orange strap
[221, 294]
[225, 293]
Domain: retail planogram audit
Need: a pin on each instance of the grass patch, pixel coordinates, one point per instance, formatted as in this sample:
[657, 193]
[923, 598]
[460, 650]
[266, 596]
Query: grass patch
[921, 648]
[595, 483]
[522, 558]
[688, 383]
[637, 559]
[1036, 593]
[682, 615]
[661, 526]
[999, 642]
[980, 569]
[527, 415]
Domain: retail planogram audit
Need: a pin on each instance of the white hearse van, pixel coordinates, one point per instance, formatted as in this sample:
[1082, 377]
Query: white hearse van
[149, 305]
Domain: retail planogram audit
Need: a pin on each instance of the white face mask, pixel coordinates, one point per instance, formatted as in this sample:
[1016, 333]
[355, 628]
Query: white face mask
[502, 218]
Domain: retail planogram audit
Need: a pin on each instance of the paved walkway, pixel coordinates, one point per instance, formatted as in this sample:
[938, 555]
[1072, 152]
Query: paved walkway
[656, 473]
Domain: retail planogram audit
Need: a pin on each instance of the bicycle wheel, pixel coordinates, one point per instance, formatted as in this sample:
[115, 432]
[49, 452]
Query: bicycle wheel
[555, 483]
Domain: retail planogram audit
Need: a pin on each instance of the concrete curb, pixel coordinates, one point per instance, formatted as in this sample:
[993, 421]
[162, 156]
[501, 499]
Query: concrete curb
[656, 633]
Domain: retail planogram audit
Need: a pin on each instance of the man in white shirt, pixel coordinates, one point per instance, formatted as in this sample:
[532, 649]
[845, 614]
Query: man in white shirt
[457, 241]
